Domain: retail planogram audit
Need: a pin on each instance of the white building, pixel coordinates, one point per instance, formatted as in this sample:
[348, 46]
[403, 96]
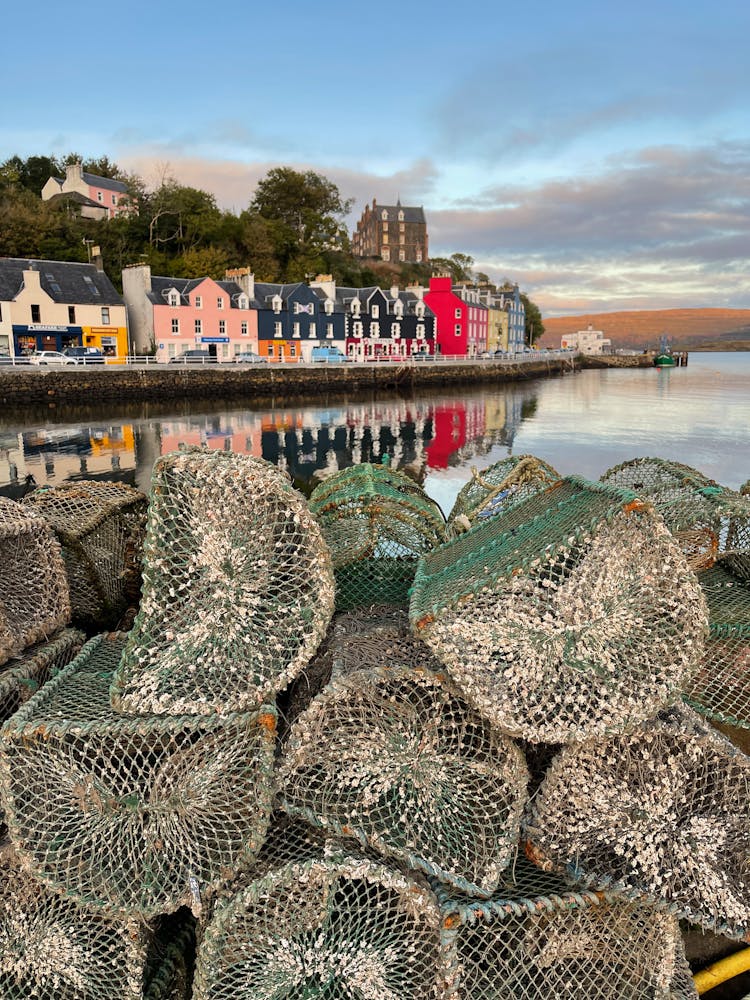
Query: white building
[588, 341]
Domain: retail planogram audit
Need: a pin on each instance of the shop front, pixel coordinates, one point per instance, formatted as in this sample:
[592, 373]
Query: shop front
[45, 337]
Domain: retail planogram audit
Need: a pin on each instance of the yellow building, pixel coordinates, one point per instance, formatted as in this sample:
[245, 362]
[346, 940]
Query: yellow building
[48, 305]
[497, 328]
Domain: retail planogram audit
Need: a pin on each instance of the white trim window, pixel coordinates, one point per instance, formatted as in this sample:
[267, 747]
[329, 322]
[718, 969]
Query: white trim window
[220, 302]
[329, 331]
[276, 331]
[222, 327]
[375, 312]
[198, 302]
[198, 327]
[458, 329]
[175, 327]
[312, 332]
[105, 315]
[457, 313]
[243, 328]
[295, 331]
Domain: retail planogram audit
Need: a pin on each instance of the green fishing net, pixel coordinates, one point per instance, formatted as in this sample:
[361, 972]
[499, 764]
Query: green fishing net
[34, 597]
[340, 928]
[377, 523]
[52, 949]
[100, 528]
[571, 615]
[394, 757]
[494, 489]
[662, 813]
[237, 588]
[709, 521]
[720, 689]
[132, 815]
[538, 937]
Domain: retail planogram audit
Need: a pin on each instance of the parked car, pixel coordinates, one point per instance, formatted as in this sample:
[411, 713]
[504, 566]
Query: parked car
[249, 358]
[50, 358]
[421, 356]
[331, 355]
[85, 355]
[194, 357]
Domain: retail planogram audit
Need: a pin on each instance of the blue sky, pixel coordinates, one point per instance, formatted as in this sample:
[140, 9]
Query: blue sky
[599, 154]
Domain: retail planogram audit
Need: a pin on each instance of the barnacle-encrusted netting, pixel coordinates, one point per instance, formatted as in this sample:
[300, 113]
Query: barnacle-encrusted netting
[52, 949]
[494, 489]
[721, 687]
[34, 597]
[573, 614]
[377, 523]
[133, 815]
[237, 588]
[697, 510]
[334, 929]
[100, 526]
[539, 937]
[397, 759]
[26, 673]
[663, 813]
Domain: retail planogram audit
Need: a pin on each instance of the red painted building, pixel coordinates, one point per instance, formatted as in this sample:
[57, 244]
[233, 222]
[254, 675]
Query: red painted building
[460, 322]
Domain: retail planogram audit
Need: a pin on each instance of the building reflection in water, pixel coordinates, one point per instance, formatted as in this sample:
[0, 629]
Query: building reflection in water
[309, 442]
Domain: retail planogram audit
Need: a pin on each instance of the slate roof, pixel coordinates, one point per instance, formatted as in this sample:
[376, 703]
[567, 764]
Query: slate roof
[104, 182]
[412, 213]
[63, 281]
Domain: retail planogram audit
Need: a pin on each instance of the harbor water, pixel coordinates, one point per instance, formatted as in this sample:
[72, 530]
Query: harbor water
[582, 423]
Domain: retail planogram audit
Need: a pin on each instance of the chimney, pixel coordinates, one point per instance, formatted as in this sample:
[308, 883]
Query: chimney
[326, 283]
[244, 278]
[31, 278]
[74, 173]
[96, 258]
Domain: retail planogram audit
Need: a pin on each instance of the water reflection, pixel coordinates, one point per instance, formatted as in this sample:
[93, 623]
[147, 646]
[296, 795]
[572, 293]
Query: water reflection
[418, 435]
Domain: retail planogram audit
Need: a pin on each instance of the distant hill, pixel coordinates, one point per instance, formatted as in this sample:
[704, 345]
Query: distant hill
[698, 329]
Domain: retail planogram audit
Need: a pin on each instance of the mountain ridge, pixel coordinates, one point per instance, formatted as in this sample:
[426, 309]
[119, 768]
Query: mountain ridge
[699, 329]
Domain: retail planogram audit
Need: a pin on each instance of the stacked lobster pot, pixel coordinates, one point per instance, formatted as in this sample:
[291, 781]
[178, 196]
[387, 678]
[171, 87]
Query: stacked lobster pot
[377, 523]
[570, 620]
[100, 528]
[138, 781]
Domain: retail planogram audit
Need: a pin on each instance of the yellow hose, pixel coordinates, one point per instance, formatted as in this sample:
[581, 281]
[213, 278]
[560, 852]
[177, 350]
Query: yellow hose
[722, 971]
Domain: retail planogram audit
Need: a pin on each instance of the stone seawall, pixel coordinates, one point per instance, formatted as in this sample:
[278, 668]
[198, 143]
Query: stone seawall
[615, 361]
[100, 385]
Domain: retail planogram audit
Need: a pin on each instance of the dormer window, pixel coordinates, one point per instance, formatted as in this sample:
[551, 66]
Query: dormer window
[384, 215]
[400, 216]
[242, 302]
[420, 309]
[399, 310]
[276, 302]
[329, 307]
[355, 308]
[174, 299]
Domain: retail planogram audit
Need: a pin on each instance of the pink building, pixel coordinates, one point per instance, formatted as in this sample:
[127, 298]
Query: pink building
[98, 197]
[174, 315]
[460, 319]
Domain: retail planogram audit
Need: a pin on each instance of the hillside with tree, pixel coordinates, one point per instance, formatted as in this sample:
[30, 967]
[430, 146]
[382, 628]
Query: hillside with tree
[293, 228]
[693, 329]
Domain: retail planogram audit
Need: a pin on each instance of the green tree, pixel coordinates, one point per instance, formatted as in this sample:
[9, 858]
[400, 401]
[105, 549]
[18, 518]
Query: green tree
[534, 327]
[458, 266]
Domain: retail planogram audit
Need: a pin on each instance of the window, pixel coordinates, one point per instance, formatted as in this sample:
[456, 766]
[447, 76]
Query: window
[385, 227]
[105, 315]
[402, 228]
[174, 299]
[384, 215]
[385, 237]
[396, 330]
[312, 332]
[402, 255]
[198, 327]
[225, 350]
[114, 199]
[198, 302]
[419, 256]
[175, 327]
[385, 253]
[457, 314]
[99, 196]
[295, 330]
[220, 302]
[269, 349]
[401, 239]
[243, 329]
[36, 314]
[242, 302]
[276, 304]
[357, 329]
[172, 350]
[292, 350]
[374, 329]
[458, 329]
[329, 331]
[222, 327]
[276, 331]
[400, 216]
[71, 314]
[375, 312]
[420, 329]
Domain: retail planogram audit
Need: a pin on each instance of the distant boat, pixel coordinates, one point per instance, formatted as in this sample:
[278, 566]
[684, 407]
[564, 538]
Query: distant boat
[664, 357]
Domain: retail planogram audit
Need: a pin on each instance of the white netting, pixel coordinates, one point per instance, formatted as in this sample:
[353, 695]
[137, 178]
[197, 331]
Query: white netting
[395, 758]
[576, 614]
[663, 813]
[238, 588]
[100, 527]
[34, 597]
[132, 815]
